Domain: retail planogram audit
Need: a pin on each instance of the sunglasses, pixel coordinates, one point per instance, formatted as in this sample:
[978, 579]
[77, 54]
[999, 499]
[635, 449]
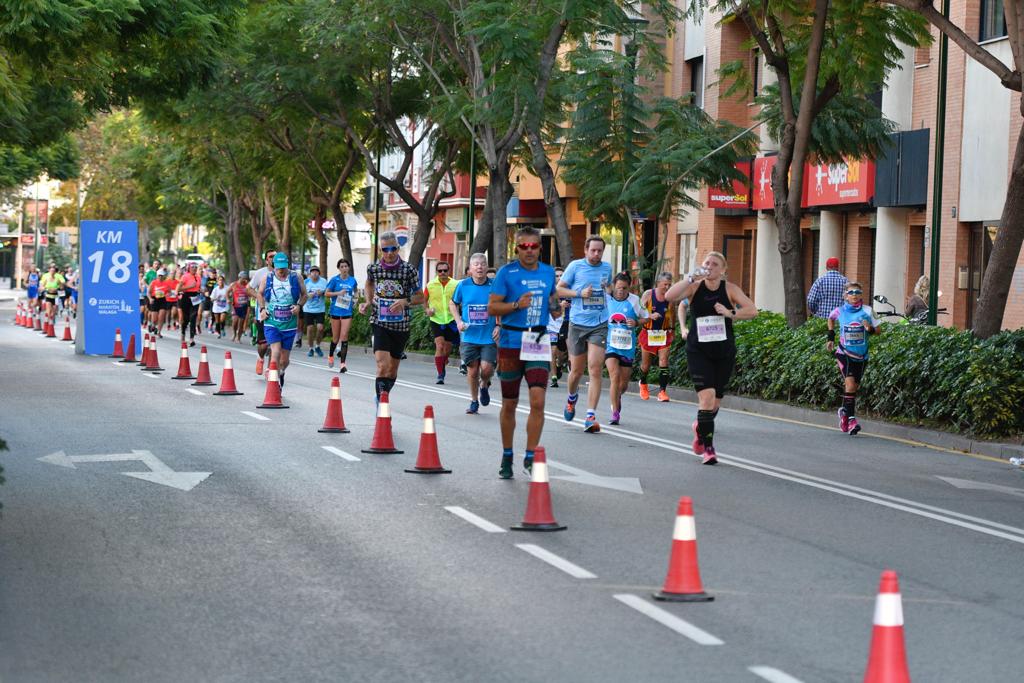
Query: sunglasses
[528, 245]
[442, 272]
[854, 292]
[388, 250]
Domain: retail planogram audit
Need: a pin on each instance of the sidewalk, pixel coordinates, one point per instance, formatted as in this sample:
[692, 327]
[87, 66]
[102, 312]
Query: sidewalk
[11, 294]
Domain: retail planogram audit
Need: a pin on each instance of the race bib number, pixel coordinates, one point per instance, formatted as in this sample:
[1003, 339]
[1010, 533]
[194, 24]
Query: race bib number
[197, 299]
[344, 299]
[158, 294]
[594, 302]
[854, 334]
[534, 347]
[282, 313]
[477, 314]
[61, 293]
[384, 313]
[620, 337]
[553, 337]
[657, 337]
[711, 328]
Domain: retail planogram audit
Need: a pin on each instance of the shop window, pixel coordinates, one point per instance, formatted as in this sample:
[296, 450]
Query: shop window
[697, 80]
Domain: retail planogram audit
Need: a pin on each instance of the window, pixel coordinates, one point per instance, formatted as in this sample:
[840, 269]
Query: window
[755, 72]
[697, 80]
[993, 20]
[687, 252]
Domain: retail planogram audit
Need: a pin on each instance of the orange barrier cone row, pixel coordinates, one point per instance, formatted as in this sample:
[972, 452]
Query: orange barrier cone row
[428, 461]
[682, 583]
[539, 516]
[382, 440]
[227, 379]
[203, 375]
[887, 659]
[184, 367]
[51, 332]
[129, 351]
[118, 348]
[153, 364]
[67, 329]
[334, 423]
[272, 398]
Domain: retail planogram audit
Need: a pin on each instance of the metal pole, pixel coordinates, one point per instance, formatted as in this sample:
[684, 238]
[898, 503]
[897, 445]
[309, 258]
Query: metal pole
[940, 140]
[38, 255]
[376, 208]
[472, 193]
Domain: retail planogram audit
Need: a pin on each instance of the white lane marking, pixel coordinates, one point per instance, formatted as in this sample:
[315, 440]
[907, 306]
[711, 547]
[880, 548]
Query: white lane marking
[340, 453]
[118, 363]
[680, 626]
[573, 570]
[151, 374]
[194, 391]
[255, 415]
[772, 675]
[475, 520]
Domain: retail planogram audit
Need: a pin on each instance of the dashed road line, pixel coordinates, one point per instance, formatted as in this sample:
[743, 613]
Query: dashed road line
[256, 416]
[340, 453]
[151, 374]
[573, 570]
[194, 391]
[772, 675]
[475, 520]
[667, 619]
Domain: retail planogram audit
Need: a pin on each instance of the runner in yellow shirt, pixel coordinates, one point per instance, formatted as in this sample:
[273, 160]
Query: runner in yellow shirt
[438, 294]
[52, 284]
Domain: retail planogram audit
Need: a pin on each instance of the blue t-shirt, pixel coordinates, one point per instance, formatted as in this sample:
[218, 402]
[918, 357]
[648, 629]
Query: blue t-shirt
[853, 336]
[472, 299]
[511, 282]
[621, 339]
[593, 310]
[342, 304]
[315, 300]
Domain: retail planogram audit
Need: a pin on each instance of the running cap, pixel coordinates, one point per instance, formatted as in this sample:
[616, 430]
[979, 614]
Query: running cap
[243, 275]
[162, 271]
[832, 262]
[280, 260]
[316, 268]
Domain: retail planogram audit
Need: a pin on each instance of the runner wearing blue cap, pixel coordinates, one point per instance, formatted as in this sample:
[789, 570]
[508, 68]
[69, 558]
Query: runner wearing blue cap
[280, 301]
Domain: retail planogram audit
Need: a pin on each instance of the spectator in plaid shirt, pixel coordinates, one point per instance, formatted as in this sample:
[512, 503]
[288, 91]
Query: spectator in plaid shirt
[392, 286]
[827, 292]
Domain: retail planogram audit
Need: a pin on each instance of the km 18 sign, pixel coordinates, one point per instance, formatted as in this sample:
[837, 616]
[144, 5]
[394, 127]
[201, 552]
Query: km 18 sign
[109, 283]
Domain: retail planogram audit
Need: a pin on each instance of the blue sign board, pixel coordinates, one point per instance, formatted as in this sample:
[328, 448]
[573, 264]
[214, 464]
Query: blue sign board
[109, 276]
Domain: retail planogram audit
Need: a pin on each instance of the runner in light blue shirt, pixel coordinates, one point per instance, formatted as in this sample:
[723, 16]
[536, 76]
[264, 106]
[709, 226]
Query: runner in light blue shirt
[477, 329]
[314, 310]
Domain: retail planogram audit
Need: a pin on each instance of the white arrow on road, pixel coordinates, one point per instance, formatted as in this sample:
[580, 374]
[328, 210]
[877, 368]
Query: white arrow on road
[627, 484]
[981, 486]
[159, 472]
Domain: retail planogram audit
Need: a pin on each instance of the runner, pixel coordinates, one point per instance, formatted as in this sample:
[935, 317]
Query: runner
[151, 273]
[856, 321]
[173, 312]
[438, 294]
[280, 302]
[479, 333]
[624, 314]
[523, 296]
[143, 296]
[240, 306]
[710, 344]
[158, 305]
[343, 291]
[256, 283]
[32, 287]
[392, 286]
[219, 309]
[656, 336]
[210, 280]
[558, 330]
[70, 291]
[52, 286]
[190, 300]
[314, 310]
[586, 281]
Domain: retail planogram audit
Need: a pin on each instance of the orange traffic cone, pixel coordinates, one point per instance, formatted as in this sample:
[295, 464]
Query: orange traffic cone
[144, 358]
[428, 461]
[67, 329]
[184, 367]
[227, 379]
[129, 351]
[118, 348]
[334, 423]
[38, 324]
[682, 583]
[382, 440]
[539, 516]
[153, 364]
[887, 659]
[51, 332]
[272, 399]
[203, 376]
[17, 315]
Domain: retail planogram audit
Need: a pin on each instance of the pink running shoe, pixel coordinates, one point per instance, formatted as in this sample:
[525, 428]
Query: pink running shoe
[698, 447]
[844, 422]
[709, 456]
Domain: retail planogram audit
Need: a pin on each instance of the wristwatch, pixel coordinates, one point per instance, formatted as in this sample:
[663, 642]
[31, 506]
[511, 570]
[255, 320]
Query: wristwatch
[515, 305]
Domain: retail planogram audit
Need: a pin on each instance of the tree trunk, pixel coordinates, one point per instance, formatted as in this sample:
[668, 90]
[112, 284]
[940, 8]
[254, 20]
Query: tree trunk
[988, 319]
[424, 229]
[482, 237]
[499, 192]
[552, 200]
[792, 266]
[342, 230]
[321, 239]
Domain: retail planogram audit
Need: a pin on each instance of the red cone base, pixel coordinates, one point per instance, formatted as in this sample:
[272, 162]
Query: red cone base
[539, 516]
[67, 330]
[118, 349]
[203, 376]
[153, 362]
[51, 333]
[129, 352]
[334, 423]
[682, 583]
[382, 442]
[227, 379]
[184, 367]
[272, 399]
[428, 461]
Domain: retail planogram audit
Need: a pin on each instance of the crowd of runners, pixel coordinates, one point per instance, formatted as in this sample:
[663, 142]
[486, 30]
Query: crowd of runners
[526, 321]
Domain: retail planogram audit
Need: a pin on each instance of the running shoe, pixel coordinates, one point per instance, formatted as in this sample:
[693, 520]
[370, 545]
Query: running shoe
[259, 366]
[844, 422]
[590, 425]
[440, 379]
[485, 395]
[528, 466]
[280, 380]
[709, 456]
[463, 370]
[343, 368]
[554, 383]
[319, 353]
[310, 354]
[474, 408]
[298, 344]
[615, 418]
[854, 426]
[192, 342]
[698, 447]
[645, 393]
[506, 468]
[663, 396]
[330, 362]
[570, 410]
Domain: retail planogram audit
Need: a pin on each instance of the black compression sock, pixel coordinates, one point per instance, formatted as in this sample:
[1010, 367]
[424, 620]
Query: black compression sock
[663, 378]
[850, 404]
[706, 426]
[343, 351]
[334, 345]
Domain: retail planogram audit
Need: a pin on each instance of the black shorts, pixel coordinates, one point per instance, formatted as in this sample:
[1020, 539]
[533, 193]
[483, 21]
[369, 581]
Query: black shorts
[392, 341]
[449, 331]
[312, 319]
[851, 367]
[143, 303]
[159, 305]
[710, 373]
[624, 361]
[341, 317]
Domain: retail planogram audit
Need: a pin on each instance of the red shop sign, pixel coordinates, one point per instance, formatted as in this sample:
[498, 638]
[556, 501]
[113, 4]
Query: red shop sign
[852, 181]
[735, 197]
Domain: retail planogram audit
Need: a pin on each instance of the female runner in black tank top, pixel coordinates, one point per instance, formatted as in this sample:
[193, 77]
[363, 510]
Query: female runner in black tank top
[710, 344]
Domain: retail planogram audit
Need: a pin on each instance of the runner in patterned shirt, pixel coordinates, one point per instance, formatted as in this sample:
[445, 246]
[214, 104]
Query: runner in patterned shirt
[392, 286]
